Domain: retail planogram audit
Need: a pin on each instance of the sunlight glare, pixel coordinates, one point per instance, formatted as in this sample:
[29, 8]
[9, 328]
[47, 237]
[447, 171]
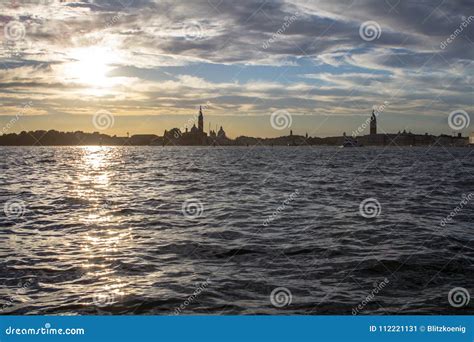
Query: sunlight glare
[90, 66]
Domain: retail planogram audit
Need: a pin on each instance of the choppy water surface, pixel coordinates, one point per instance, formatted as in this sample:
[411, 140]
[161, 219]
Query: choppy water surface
[102, 230]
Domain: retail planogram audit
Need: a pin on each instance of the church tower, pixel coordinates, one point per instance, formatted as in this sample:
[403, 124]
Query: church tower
[373, 124]
[200, 121]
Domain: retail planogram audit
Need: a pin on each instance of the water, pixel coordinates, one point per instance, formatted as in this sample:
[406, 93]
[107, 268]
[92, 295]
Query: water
[102, 230]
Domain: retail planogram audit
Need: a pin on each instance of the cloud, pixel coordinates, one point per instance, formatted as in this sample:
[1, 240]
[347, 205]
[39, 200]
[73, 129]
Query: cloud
[318, 61]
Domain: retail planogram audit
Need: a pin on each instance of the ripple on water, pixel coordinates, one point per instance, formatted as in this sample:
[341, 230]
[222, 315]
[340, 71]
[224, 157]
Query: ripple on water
[106, 225]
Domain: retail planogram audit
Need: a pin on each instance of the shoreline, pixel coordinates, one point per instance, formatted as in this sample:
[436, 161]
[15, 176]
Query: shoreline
[56, 138]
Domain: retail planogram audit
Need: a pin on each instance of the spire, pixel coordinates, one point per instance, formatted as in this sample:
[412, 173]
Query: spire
[201, 120]
[373, 123]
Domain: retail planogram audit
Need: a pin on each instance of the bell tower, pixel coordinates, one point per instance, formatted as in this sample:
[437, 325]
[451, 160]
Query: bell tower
[200, 121]
[373, 124]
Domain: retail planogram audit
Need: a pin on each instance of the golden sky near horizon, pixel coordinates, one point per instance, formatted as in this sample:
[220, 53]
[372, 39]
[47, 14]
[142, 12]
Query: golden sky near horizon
[151, 63]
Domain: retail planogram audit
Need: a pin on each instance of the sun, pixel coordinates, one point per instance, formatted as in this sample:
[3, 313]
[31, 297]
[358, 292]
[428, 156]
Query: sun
[90, 66]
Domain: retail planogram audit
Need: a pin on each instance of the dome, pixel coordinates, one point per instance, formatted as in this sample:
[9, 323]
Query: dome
[221, 133]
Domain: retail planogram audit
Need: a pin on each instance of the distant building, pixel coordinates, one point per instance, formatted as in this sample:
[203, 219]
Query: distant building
[221, 134]
[143, 139]
[195, 130]
[196, 135]
[373, 124]
[471, 139]
[201, 121]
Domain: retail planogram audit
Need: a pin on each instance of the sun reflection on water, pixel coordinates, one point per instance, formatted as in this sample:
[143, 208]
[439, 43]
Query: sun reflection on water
[106, 240]
[93, 181]
[95, 157]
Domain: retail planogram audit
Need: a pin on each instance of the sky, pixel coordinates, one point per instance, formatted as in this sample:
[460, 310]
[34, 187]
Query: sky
[258, 68]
